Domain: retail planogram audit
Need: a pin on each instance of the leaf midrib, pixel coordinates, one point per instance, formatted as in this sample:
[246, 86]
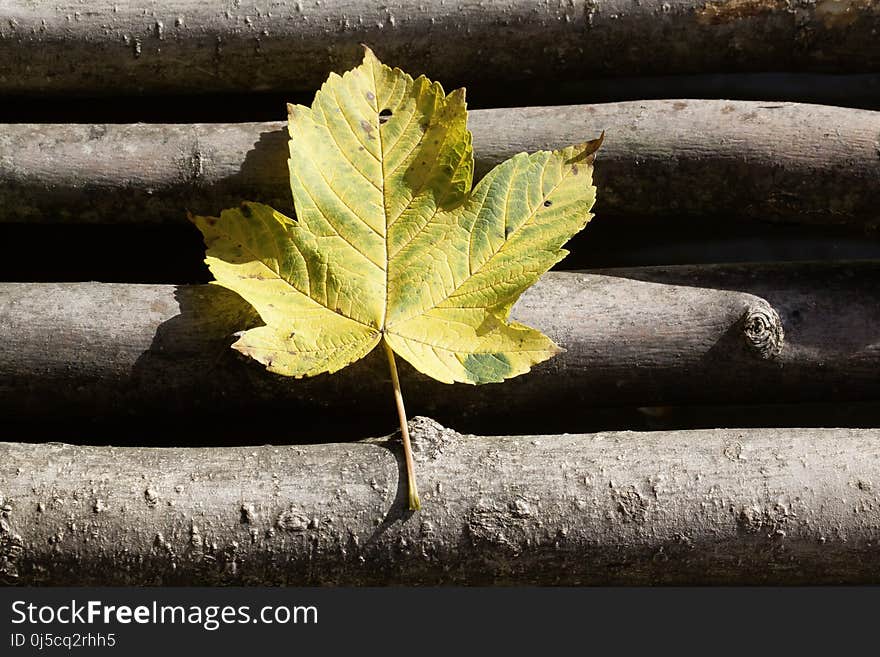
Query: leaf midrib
[384, 194]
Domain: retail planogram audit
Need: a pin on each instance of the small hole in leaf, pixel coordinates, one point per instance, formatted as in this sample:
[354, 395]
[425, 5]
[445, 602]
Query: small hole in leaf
[547, 204]
[384, 115]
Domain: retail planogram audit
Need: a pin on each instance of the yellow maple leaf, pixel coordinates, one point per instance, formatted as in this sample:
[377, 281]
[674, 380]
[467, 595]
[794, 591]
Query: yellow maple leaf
[392, 245]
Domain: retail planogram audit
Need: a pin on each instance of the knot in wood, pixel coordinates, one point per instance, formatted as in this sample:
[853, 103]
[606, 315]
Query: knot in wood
[429, 438]
[293, 520]
[762, 331]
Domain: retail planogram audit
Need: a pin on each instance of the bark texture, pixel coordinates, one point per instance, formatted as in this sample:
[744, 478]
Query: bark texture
[640, 337]
[180, 45]
[726, 506]
[782, 161]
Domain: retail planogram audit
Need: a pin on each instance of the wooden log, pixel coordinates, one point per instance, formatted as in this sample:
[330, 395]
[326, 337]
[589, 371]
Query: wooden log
[732, 334]
[288, 45]
[782, 161]
[725, 506]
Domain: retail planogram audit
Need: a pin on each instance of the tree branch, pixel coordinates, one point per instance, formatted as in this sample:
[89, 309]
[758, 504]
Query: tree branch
[181, 45]
[731, 334]
[779, 161]
[726, 506]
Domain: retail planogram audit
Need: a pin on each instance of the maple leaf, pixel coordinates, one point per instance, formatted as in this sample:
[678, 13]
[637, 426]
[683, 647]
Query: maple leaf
[392, 245]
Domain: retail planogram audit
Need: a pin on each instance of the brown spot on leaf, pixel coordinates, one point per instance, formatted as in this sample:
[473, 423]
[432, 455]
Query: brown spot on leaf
[371, 96]
[727, 109]
[679, 105]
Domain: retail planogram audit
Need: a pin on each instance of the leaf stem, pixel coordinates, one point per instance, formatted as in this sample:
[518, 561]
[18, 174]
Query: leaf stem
[414, 502]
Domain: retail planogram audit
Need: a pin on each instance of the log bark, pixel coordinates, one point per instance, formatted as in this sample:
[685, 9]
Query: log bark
[641, 337]
[287, 45]
[726, 506]
[780, 161]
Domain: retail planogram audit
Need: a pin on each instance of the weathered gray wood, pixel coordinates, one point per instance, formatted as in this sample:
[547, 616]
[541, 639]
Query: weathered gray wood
[640, 337]
[134, 46]
[731, 506]
[785, 161]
